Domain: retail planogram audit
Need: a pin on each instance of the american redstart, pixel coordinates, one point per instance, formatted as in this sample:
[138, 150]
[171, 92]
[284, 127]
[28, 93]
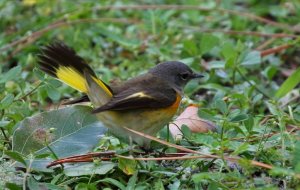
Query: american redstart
[145, 103]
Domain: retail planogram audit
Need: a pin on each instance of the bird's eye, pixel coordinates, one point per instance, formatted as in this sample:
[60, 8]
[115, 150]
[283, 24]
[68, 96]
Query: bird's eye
[184, 76]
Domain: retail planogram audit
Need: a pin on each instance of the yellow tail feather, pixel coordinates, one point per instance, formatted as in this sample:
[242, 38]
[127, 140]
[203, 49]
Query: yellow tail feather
[76, 80]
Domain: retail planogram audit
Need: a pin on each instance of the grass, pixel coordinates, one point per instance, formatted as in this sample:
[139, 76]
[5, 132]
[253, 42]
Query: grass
[248, 51]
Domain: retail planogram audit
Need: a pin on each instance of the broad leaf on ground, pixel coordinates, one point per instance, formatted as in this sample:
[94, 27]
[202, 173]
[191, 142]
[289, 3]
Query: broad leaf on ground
[68, 131]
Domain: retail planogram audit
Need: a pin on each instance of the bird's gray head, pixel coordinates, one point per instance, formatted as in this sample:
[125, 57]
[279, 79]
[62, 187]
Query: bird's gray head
[176, 73]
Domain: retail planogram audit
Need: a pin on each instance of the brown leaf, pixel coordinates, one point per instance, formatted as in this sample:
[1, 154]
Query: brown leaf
[190, 118]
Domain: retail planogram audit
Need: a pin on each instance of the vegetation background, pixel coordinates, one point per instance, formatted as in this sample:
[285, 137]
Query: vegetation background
[248, 50]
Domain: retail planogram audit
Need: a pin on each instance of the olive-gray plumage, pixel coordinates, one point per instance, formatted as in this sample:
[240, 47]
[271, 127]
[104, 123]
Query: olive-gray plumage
[156, 89]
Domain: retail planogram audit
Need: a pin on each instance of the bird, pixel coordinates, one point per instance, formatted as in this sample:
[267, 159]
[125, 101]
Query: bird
[145, 103]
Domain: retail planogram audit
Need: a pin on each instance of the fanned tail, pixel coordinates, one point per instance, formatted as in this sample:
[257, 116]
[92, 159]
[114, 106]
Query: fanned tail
[63, 63]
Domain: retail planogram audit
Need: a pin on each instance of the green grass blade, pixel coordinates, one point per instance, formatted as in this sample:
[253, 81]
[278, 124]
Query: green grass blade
[289, 84]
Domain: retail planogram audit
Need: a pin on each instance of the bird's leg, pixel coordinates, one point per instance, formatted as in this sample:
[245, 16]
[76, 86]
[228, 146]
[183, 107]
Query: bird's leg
[130, 146]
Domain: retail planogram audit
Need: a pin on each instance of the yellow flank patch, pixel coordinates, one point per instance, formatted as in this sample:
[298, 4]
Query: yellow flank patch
[71, 78]
[138, 95]
[103, 86]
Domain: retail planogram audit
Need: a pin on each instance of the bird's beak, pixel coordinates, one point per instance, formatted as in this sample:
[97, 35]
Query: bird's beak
[197, 75]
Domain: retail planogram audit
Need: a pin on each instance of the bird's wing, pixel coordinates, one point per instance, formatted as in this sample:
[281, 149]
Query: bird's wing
[134, 98]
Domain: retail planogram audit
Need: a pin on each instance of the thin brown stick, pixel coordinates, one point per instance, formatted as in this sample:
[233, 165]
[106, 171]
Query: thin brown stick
[274, 50]
[192, 7]
[102, 155]
[62, 23]
[250, 33]
[30, 92]
[83, 158]
[107, 155]
[265, 44]
[162, 158]
[232, 159]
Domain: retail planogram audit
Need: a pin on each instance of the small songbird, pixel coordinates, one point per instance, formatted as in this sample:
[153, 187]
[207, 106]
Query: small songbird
[145, 103]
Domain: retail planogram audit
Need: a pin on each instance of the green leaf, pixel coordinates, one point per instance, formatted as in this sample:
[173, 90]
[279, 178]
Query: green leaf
[127, 166]
[159, 185]
[133, 43]
[53, 93]
[34, 184]
[273, 108]
[5, 102]
[270, 72]
[62, 130]
[205, 114]
[175, 184]
[213, 86]
[88, 169]
[113, 182]
[132, 182]
[186, 131]
[11, 74]
[12, 186]
[228, 51]
[242, 148]
[217, 64]
[230, 63]
[252, 58]
[16, 156]
[296, 159]
[249, 123]
[289, 84]
[221, 105]
[240, 117]
[205, 139]
[281, 171]
[206, 176]
[190, 47]
[208, 42]
[85, 186]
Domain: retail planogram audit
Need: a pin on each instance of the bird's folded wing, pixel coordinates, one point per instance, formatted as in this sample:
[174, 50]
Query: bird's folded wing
[144, 98]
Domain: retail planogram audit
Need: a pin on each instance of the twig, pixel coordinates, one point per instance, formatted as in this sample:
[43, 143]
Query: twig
[290, 100]
[27, 174]
[265, 44]
[162, 158]
[274, 50]
[30, 92]
[83, 158]
[235, 32]
[232, 159]
[6, 137]
[192, 7]
[37, 34]
[89, 157]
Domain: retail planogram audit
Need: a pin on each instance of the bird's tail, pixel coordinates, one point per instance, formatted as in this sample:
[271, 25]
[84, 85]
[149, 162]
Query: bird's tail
[63, 63]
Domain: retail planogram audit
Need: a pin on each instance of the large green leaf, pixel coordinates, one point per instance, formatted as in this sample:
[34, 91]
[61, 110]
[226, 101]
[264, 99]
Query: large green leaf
[67, 131]
[74, 131]
[289, 84]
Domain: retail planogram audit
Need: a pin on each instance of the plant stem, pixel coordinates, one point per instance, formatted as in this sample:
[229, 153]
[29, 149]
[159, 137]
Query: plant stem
[251, 84]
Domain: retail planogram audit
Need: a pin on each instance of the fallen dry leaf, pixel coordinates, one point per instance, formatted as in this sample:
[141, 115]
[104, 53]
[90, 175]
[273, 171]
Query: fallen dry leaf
[190, 118]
